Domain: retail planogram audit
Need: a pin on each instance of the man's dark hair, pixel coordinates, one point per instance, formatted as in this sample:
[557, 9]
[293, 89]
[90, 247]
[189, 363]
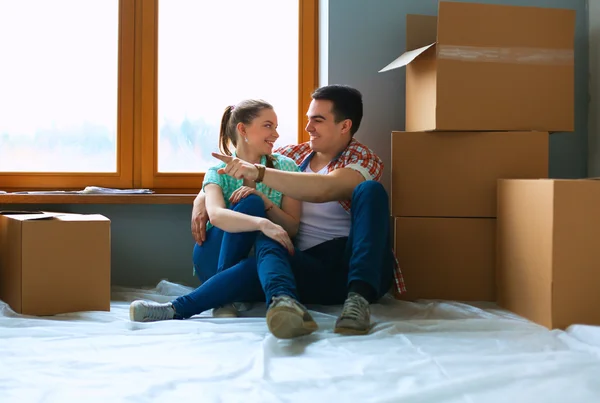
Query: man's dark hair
[347, 103]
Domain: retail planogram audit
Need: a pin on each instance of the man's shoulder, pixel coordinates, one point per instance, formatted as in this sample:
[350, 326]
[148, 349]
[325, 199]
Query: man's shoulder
[284, 162]
[357, 150]
[296, 152]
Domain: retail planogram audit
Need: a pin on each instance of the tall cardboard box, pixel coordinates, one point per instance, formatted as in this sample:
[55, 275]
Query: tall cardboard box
[447, 258]
[489, 67]
[548, 267]
[53, 263]
[454, 174]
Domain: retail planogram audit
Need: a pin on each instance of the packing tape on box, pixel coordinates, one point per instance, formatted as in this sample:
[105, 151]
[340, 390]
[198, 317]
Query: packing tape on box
[558, 57]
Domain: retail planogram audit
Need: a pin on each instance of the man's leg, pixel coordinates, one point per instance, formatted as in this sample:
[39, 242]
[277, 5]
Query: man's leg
[369, 257]
[238, 283]
[286, 317]
[321, 274]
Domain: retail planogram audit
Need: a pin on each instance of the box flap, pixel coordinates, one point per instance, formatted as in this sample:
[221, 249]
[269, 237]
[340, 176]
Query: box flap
[30, 215]
[421, 30]
[505, 27]
[406, 58]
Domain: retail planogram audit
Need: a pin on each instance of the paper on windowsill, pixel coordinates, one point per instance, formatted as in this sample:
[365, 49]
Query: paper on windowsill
[87, 190]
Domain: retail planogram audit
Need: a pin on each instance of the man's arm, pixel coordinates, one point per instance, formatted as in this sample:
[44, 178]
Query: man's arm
[335, 186]
[338, 185]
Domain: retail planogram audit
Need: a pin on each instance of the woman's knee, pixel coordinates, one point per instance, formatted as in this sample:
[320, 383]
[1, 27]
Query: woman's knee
[205, 260]
[252, 205]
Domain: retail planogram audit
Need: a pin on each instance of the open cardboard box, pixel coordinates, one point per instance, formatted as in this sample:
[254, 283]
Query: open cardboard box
[480, 67]
[52, 263]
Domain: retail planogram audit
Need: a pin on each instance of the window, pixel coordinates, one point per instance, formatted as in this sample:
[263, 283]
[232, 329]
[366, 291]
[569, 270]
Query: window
[130, 93]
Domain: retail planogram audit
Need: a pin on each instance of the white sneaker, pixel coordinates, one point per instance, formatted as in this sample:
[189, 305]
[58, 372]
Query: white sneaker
[149, 311]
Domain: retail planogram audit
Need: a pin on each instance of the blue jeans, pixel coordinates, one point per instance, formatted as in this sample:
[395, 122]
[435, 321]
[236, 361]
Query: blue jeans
[319, 275]
[323, 273]
[221, 251]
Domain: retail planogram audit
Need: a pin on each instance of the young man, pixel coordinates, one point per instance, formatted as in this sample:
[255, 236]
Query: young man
[343, 247]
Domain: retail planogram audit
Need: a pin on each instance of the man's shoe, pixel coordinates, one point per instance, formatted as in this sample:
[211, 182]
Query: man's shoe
[355, 318]
[149, 311]
[287, 318]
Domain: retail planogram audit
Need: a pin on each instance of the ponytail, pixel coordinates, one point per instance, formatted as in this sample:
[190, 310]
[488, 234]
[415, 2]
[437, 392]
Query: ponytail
[225, 132]
[270, 161]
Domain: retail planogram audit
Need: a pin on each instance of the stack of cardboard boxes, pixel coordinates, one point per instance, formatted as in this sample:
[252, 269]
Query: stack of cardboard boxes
[485, 85]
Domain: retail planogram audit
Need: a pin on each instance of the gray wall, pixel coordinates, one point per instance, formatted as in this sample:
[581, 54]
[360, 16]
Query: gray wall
[364, 36]
[594, 118]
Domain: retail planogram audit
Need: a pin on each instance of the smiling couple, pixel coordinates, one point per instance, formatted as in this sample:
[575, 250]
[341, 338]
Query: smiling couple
[314, 215]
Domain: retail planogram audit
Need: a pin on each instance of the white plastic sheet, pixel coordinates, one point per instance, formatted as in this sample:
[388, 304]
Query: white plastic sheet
[417, 352]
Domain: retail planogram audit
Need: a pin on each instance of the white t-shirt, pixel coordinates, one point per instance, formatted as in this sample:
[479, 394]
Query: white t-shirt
[321, 222]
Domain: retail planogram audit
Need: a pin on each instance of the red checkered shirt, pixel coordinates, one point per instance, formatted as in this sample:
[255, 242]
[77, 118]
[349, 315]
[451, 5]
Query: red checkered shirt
[358, 157]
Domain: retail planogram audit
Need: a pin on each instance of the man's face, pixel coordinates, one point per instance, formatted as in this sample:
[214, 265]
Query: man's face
[325, 134]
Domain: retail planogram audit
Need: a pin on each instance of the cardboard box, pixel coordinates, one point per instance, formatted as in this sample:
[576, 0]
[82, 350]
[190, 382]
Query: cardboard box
[548, 268]
[441, 174]
[447, 258]
[53, 263]
[489, 67]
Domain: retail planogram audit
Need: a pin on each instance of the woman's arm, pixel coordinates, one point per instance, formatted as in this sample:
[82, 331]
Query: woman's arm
[232, 221]
[288, 216]
[226, 219]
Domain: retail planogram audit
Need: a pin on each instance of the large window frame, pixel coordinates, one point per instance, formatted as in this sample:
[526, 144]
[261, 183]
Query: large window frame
[137, 134]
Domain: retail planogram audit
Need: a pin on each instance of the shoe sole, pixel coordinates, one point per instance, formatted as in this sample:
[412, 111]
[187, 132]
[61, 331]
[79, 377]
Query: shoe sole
[285, 323]
[351, 332]
[225, 316]
[132, 314]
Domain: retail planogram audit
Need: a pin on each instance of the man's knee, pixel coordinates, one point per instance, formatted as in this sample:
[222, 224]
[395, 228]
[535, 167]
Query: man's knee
[371, 190]
[252, 205]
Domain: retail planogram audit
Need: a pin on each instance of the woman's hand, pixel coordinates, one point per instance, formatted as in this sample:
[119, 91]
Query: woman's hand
[199, 220]
[246, 191]
[278, 234]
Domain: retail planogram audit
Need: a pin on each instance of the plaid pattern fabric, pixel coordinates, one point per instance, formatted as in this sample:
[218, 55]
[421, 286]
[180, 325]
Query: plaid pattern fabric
[360, 158]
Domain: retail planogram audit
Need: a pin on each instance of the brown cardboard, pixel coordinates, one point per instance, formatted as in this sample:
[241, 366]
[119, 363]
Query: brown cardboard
[548, 260]
[53, 263]
[489, 67]
[447, 258]
[442, 174]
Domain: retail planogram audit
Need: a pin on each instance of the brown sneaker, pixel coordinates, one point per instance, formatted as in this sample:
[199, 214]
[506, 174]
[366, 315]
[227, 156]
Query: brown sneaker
[287, 318]
[355, 318]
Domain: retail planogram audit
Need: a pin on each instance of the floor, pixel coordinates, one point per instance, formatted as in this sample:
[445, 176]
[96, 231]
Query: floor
[431, 351]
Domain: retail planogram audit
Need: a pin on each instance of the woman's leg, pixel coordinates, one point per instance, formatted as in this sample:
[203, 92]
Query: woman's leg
[238, 283]
[236, 246]
[206, 256]
[221, 249]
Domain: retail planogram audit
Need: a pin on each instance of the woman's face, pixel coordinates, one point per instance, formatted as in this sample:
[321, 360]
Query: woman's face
[261, 133]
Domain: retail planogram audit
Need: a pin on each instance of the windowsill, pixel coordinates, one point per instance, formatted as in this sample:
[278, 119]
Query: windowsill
[98, 199]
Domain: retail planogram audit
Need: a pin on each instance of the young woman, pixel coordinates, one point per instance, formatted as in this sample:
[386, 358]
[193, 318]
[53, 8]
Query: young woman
[238, 211]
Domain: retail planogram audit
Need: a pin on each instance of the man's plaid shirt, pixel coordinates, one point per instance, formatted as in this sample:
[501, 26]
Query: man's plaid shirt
[358, 157]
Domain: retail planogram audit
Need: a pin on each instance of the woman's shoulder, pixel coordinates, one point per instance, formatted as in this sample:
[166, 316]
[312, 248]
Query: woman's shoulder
[284, 163]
